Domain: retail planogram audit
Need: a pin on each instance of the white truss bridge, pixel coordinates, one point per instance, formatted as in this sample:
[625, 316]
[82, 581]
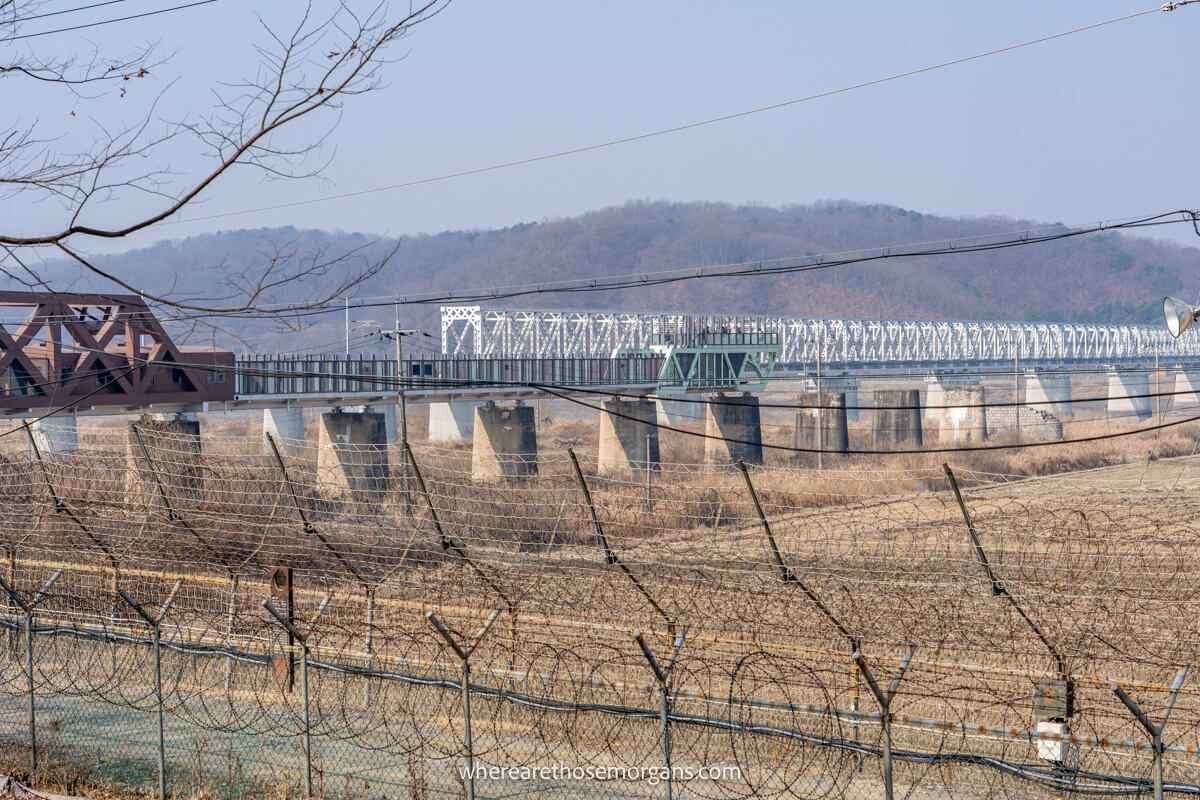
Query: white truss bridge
[841, 343]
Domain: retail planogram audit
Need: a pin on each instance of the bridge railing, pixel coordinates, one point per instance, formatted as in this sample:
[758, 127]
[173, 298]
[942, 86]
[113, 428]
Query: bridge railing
[337, 374]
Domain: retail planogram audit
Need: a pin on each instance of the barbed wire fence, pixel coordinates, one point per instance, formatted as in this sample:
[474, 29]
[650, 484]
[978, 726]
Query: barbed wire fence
[233, 616]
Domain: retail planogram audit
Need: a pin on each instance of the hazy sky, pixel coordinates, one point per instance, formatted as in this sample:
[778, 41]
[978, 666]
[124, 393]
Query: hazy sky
[1096, 126]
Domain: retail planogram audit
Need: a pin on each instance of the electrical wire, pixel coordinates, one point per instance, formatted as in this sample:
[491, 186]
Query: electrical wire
[762, 268]
[109, 21]
[390, 383]
[678, 128]
[875, 452]
[64, 11]
[561, 393]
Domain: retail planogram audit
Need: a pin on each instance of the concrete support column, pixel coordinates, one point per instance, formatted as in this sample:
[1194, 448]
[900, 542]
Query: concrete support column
[391, 420]
[172, 442]
[822, 428]
[1049, 392]
[1128, 393]
[452, 422]
[56, 434]
[849, 389]
[504, 444]
[897, 419]
[285, 425]
[733, 417]
[628, 436]
[352, 454]
[1187, 389]
[935, 402]
[1162, 386]
[964, 418]
[689, 408]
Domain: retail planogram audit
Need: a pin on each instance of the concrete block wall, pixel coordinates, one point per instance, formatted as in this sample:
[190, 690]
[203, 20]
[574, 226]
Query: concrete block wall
[1036, 424]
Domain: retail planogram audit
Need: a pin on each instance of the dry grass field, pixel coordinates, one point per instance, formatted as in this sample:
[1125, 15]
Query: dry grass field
[1091, 542]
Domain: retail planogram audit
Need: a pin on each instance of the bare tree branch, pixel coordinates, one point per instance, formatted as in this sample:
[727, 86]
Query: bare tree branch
[305, 73]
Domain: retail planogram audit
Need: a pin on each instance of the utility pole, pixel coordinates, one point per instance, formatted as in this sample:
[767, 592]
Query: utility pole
[397, 335]
[820, 406]
[346, 302]
[1017, 388]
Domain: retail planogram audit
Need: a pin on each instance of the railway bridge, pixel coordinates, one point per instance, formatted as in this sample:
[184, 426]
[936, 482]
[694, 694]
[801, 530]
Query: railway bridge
[69, 355]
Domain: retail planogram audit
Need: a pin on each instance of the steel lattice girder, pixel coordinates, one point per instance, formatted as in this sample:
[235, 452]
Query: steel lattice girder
[471, 330]
[100, 350]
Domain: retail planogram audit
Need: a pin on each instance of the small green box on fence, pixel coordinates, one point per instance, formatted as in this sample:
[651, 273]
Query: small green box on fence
[1054, 699]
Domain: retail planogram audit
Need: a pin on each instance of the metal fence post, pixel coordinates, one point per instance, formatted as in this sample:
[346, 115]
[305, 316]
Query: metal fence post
[464, 656]
[302, 638]
[662, 674]
[1154, 729]
[368, 644]
[649, 478]
[610, 555]
[885, 710]
[231, 614]
[155, 624]
[29, 606]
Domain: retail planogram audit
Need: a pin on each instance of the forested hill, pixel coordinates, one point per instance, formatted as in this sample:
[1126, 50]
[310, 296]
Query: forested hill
[1105, 278]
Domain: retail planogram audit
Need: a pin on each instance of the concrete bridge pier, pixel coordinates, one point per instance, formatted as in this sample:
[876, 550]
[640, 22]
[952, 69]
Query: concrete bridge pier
[163, 453]
[1128, 393]
[1186, 389]
[453, 421]
[964, 419]
[628, 436]
[286, 427]
[689, 408]
[352, 454]
[897, 419]
[822, 428]
[1049, 392]
[58, 434]
[848, 387]
[504, 443]
[391, 418]
[737, 418]
[935, 401]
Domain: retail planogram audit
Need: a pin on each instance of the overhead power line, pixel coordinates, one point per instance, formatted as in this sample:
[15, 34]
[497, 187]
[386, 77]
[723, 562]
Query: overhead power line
[108, 21]
[64, 11]
[762, 268]
[638, 137]
[562, 392]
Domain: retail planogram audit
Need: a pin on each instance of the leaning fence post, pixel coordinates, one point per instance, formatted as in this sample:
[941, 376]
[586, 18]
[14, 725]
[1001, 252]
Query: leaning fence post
[29, 606]
[464, 657]
[884, 699]
[302, 638]
[662, 674]
[1000, 590]
[155, 624]
[610, 555]
[1154, 729]
[786, 574]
